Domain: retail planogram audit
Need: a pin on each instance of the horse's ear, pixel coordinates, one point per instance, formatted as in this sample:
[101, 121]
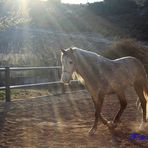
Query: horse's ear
[63, 51]
[71, 50]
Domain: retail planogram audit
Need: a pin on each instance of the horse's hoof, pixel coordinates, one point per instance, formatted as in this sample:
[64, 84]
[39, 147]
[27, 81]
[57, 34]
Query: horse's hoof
[142, 126]
[111, 125]
[92, 131]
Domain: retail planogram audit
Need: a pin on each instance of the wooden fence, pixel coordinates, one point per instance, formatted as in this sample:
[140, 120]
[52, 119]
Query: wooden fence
[8, 87]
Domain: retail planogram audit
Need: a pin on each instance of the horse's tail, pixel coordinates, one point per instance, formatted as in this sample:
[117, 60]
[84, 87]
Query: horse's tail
[145, 92]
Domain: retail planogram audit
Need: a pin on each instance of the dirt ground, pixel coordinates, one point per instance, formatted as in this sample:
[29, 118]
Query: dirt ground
[64, 121]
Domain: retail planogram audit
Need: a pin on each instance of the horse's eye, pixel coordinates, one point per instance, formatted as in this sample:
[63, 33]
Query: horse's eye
[70, 62]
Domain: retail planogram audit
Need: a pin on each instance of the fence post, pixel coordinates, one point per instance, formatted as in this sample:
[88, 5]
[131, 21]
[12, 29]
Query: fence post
[63, 88]
[7, 81]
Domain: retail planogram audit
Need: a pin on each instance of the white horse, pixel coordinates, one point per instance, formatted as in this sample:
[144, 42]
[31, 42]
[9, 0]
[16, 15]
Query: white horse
[102, 76]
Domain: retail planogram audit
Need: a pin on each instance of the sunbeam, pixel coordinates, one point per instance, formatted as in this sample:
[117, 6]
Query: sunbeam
[22, 6]
[79, 1]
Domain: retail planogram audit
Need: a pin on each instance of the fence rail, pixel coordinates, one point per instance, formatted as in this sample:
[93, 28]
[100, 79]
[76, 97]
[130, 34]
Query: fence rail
[32, 68]
[7, 86]
[2, 69]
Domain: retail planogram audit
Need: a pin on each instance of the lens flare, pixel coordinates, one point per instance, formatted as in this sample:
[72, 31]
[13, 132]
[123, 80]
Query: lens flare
[23, 7]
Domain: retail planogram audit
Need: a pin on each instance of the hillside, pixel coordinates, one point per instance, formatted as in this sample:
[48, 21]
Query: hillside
[33, 35]
[29, 38]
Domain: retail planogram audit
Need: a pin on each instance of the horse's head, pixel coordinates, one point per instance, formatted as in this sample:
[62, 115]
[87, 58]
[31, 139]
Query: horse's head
[68, 64]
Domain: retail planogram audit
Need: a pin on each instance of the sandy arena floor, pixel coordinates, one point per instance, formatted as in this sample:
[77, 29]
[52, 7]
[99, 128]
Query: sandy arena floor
[64, 121]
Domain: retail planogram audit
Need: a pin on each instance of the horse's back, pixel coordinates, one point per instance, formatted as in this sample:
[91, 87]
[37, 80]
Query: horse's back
[131, 63]
[131, 66]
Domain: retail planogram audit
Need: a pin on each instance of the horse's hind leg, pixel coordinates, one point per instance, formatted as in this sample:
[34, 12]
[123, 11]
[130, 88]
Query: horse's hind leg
[123, 104]
[139, 91]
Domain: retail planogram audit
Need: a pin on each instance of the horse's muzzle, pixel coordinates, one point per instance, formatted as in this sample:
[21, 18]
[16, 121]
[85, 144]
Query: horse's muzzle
[66, 81]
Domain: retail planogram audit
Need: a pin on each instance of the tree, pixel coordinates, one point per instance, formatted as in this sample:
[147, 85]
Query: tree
[54, 1]
[146, 3]
[140, 2]
[120, 6]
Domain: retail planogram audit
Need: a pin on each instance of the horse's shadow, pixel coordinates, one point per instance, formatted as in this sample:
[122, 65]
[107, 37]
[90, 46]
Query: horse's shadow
[4, 108]
[119, 135]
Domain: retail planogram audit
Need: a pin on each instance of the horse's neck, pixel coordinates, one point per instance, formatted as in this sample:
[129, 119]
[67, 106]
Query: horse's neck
[91, 68]
[81, 62]
[84, 66]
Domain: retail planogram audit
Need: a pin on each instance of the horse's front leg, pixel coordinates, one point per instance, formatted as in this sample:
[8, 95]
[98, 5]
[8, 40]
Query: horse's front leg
[98, 106]
[95, 124]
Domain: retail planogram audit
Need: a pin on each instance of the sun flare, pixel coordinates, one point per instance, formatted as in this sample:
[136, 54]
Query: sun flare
[23, 7]
[79, 1]
[74, 1]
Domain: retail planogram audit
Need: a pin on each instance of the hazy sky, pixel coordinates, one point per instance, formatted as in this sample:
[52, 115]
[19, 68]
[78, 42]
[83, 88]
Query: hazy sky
[79, 1]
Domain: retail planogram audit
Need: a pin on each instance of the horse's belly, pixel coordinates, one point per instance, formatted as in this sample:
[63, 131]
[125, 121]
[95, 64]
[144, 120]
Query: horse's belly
[118, 84]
